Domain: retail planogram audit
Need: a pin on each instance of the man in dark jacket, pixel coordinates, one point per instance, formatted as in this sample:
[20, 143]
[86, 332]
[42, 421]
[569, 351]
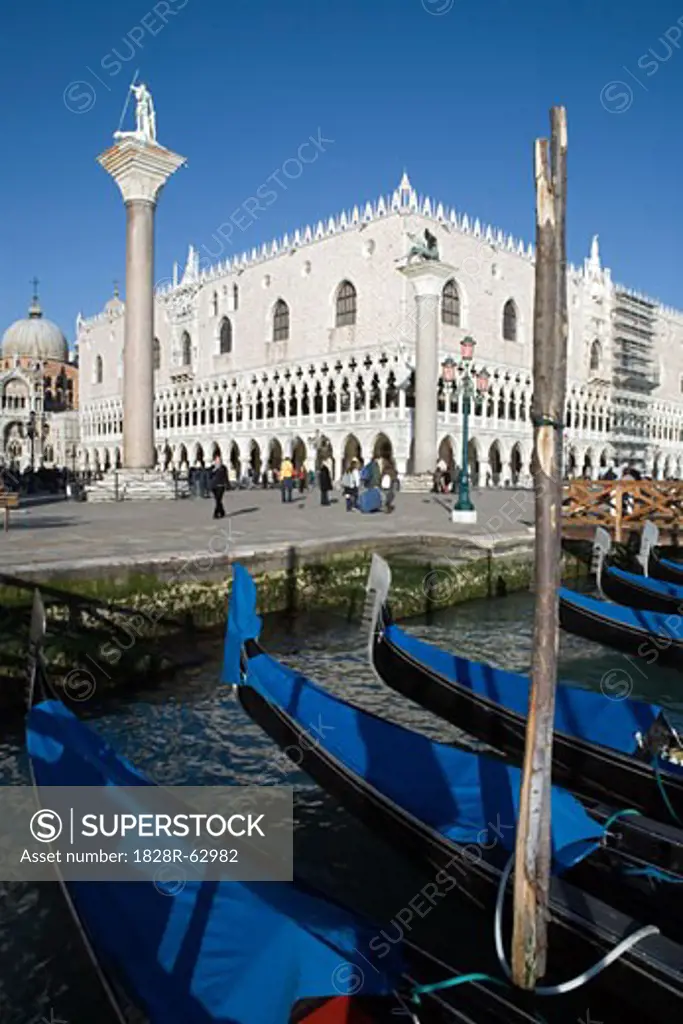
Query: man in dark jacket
[219, 481]
[325, 484]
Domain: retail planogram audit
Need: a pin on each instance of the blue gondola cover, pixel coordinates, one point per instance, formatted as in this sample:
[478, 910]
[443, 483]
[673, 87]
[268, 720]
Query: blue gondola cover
[648, 583]
[581, 713]
[228, 952]
[469, 798]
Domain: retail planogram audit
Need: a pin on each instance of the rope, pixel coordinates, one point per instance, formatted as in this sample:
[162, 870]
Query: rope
[580, 979]
[665, 797]
[460, 979]
[656, 873]
[619, 814]
[547, 421]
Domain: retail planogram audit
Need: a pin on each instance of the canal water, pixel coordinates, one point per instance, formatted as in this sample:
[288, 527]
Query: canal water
[192, 731]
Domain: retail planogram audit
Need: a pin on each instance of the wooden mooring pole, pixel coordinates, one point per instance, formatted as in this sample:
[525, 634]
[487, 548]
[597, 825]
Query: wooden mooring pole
[533, 845]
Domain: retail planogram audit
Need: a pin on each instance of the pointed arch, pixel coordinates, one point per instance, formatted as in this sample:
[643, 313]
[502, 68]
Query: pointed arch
[274, 454]
[510, 321]
[450, 304]
[156, 354]
[225, 336]
[280, 321]
[99, 370]
[384, 450]
[516, 464]
[495, 461]
[351, 450]
[186, 347]
[595, 356]
[299, 452]
[346, 304]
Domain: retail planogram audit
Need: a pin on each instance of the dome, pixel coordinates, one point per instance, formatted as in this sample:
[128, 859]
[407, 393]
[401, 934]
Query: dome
[114, 306]
[35, 337]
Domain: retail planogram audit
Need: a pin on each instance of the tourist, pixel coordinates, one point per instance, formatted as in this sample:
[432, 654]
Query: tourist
[351, 485]
[219, 481]
[387, 485]
[325, 483]
[286, 479]
[302, 478]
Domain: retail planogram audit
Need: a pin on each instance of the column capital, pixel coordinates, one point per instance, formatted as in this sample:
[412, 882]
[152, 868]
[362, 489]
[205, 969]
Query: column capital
[140, 169]
[428, 276]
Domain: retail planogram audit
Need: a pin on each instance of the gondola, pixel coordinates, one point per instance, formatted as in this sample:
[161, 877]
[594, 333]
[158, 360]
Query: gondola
[619, 752]
[653, 636]
[635, 590]
[652, 560]
[229, 952]
[437, 804]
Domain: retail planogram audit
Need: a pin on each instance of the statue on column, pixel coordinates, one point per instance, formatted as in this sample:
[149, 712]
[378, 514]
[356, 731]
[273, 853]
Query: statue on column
[145, 116]
[422, 251]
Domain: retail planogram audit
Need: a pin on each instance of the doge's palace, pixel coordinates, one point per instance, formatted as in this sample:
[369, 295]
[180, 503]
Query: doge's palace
[307, 345]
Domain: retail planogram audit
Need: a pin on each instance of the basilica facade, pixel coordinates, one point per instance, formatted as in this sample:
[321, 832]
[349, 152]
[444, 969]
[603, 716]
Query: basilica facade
[39, 425]
[306, 346]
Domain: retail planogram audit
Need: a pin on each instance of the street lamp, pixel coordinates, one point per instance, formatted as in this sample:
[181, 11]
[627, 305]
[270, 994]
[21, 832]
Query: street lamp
[470, 389]
[31, 435]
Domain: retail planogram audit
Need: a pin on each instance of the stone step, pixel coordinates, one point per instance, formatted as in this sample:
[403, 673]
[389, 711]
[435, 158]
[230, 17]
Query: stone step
[136, 487]
[421, 484]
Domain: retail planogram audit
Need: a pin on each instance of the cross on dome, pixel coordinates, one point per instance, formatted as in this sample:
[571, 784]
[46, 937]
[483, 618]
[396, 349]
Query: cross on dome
[34, 309]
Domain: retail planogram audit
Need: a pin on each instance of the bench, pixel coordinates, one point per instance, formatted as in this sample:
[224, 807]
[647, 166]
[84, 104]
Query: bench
[8, 500]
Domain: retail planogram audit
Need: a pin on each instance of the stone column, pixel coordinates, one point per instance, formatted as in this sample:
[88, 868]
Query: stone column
[140, 169]
[428, 278]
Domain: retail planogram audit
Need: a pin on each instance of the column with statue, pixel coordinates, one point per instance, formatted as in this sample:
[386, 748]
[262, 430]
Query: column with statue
[427, 274]
[140, 167]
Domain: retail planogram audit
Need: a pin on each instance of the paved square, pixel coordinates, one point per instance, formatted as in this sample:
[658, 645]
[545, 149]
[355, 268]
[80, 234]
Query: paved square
[65, 535]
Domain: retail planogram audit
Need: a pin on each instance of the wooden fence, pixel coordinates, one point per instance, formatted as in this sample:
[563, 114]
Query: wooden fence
[621, 506]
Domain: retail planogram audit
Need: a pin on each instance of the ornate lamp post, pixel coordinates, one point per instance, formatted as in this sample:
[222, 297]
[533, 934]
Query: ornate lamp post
[469, 390]
[31, 433]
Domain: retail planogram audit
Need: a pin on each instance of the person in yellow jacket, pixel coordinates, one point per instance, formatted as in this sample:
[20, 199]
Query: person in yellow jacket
[286, 479]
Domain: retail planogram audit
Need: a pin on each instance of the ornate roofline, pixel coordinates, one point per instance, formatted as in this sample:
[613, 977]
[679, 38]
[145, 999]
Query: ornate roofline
[402, 201]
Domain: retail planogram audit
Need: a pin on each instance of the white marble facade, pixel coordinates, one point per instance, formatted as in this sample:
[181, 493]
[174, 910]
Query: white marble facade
[313, 335]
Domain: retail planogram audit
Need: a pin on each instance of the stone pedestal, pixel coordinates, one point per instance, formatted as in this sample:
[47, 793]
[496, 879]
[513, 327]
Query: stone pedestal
[421, 483]
[428, 278]
[140, 169]
[464, 518]
[137, 485]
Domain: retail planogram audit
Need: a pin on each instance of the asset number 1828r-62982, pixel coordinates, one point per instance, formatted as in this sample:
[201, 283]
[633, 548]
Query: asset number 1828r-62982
[178, 856]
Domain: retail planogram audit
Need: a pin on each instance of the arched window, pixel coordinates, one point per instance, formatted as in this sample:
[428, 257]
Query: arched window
[187, 349]
[596, 355]
[346, 304]
[235, 297]
[156, 354]
[99, 370]
[281, 321]
[450, 304]
[214, 304]
[510, 321]
[226, 336]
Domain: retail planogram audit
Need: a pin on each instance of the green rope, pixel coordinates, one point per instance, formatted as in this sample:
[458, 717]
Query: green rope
[546, 421]
[665, 796]
[461, 979]
[619, 814]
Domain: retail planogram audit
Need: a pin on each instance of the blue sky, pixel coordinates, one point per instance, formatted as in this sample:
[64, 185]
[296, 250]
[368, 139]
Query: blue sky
[453, 90]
